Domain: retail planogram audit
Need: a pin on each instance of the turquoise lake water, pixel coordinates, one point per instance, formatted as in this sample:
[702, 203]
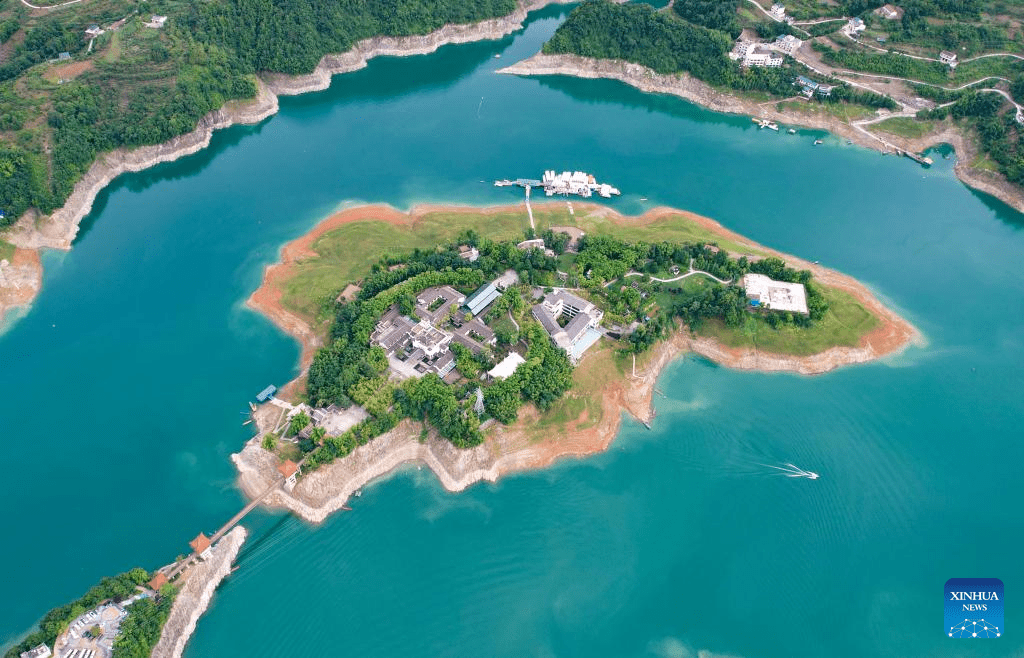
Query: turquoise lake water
[124, 387]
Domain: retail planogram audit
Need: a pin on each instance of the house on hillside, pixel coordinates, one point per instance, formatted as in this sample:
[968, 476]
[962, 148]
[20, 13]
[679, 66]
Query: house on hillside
[156, 22]
[787, 43]
[949, 58]
[466, 252]
[890, 12]
[855, 26]
[778, 10]
[93, 31]
[762, 56]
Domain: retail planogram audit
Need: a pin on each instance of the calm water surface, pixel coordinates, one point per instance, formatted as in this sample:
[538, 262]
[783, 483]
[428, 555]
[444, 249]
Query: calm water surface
[124, 388]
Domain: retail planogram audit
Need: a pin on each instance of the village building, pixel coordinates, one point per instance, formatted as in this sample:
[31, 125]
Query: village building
[63, 57]
[579, 332]
[788, 43]
[435, 304]
[855, 26]
[507, 367]
[40, 651]
[890, 12]
[778, 10]
[156, 22]
[764, 292]
[762, 56]
[467, 252]
[290, 471]
[429, 339]
[825, 90]
[947, 57]
[93, 31]
[202, 547]
[482, 298]
[158, 581]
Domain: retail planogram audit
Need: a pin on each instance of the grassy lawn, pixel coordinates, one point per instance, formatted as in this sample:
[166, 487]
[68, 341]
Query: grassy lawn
[844, 324]
[905, 127]
[985, 162]
[346, 253]
[6, 250]
[600, 366]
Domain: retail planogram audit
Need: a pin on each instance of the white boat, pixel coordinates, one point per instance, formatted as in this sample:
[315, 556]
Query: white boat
[817, 141]
[792, 131]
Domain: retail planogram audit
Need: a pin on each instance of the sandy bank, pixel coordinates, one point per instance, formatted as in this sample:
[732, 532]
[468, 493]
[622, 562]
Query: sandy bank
[516, 448]
[695, 91]
[58, 230]
[20, 280]
[200, 581]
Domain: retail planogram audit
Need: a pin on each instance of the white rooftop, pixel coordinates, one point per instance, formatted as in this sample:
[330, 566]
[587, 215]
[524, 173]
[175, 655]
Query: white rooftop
[507, 366]
[776, 295]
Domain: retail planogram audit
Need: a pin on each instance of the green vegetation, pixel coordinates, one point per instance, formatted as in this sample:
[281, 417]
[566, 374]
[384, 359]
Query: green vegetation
[905, 127]
[6, 251]
[54, 622]
[145, 86]
[348, 371]
[668, 44]
[140, 630]
[1001, 136]
[713, 14]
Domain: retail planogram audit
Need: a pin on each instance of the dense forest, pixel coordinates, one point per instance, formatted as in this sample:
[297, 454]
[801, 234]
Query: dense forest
[149, 86]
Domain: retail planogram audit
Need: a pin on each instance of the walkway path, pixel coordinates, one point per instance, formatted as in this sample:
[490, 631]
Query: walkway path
[32, 6]
[682, 276]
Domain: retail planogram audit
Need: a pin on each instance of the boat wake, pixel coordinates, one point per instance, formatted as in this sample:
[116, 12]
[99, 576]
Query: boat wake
[791, 471]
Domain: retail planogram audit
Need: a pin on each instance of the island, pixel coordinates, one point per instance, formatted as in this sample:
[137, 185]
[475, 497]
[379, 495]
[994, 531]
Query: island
[482, 341]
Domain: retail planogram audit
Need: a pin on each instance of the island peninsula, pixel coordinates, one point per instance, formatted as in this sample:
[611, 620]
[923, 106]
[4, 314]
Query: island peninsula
[639, 283]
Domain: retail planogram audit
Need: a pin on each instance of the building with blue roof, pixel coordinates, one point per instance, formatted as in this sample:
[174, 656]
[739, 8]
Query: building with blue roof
[482, 298]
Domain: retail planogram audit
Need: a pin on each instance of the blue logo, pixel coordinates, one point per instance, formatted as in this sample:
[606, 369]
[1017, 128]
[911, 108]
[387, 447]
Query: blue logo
[974, 608]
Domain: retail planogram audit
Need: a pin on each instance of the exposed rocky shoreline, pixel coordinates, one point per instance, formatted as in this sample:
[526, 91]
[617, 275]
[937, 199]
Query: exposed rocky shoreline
[200, 581]
[58, 230]
[700, 93]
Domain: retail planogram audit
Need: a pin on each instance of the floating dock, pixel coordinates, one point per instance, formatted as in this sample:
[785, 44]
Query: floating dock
[577, 183]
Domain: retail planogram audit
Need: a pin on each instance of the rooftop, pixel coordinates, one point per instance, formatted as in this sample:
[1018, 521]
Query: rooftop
[507, 366]
[200, 543]
[482, 298]
[288, 468]
[776, 295]
[158, 581]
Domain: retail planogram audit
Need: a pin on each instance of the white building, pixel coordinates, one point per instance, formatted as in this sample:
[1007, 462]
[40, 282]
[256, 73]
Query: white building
[469, 253]
[890, 12]
[41, 651]
[507, 366]
[431, 340]
[855, 26]
[947, 57]
[762, 56]
[779, 10]
[775, 295]
[156, 21]
[580, 332]
[93, 31]
[788, 44]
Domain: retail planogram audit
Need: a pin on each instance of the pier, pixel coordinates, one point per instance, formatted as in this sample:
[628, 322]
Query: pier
[576, 183]
[171, 571]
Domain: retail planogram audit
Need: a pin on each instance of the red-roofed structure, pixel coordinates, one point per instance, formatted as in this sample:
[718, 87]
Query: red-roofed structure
[288, 468]
[201, 545]
[159, 580]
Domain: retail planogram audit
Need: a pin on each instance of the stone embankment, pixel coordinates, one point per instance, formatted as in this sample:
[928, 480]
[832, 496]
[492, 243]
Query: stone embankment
[695, 91]
[197, 588]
